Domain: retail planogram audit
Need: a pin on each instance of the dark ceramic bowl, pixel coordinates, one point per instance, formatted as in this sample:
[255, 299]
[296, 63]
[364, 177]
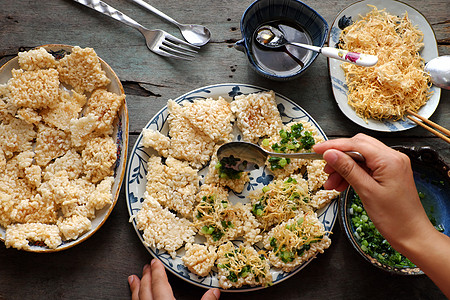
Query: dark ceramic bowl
[287, 11]
[432, 178]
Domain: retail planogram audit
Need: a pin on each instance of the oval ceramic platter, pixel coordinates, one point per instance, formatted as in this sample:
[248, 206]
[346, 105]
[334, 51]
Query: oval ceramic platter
[135, 180]
[120, 135]
[337, 75]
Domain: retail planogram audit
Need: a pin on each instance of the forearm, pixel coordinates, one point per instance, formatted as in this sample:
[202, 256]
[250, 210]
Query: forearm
[431, 253]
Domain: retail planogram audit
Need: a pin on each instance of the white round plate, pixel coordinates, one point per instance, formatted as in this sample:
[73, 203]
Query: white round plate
[120, 135]
[135, 180]
[337, 75]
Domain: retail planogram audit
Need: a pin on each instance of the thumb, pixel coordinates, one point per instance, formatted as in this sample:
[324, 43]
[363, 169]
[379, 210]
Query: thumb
[134, 283]
[212, 294]
[343, 164]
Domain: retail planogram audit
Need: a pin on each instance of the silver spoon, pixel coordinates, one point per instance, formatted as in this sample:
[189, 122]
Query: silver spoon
[197, 35]
[439, 70]
[271, 37]
[249, 156]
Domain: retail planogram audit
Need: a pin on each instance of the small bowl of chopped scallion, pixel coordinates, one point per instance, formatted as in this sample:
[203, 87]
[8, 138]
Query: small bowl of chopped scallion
[432, 178]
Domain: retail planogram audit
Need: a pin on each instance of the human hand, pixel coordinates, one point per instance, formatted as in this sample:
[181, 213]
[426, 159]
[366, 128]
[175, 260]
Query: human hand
[385, 185]
[154, 285]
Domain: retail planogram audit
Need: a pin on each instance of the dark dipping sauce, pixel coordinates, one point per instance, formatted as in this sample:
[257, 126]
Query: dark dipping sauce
[286, 60]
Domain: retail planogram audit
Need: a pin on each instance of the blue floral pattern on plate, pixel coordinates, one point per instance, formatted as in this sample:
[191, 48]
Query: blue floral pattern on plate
[337, 75]
[136, 171]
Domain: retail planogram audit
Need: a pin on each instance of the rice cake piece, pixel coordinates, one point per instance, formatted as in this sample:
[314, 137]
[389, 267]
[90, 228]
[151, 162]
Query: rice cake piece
[161, 228]
[98, 120]
[68, 108]
[33, 174]
[23, 160]
[280, 200]
[50, 144]
[300, 134]
[7, 108]
[70, 162]
[212, 117]
[4, 99]
[99, 156]
[4, 115]
[220, 221]
[29, 115]
[199, 259]
[219, 192]
[257, 115]
[322, 198]
[104, 106]
[102, 196]
[82, 70]
[242, 265]
[295, 166]
[34, 209]
[316, 174]
[186, 142]
[82, 130]
[20, 235]
[58, 188]
[77, 209]
[4, 91]
[26, 205]
[16, 136]
[154, 139]
[15, 166]
[2, 161]
[11, 183]
[82, 191]
[74, 226]
[173, 184]
[301, 238]
[36, 59]
[6, 208]
[70, 196]
[34, 89]
[249, 229]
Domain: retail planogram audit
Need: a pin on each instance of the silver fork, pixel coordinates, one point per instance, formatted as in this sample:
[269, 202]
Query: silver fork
[157, 40]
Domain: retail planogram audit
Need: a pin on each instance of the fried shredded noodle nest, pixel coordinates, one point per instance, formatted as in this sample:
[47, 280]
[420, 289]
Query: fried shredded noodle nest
[398, 81]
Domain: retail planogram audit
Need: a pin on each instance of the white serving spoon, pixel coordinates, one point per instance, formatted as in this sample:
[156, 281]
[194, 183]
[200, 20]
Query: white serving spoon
[439, 70]
[271, 37]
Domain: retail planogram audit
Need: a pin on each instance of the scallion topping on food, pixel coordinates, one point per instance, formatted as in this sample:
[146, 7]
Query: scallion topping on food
[294, 239]
[230, 167]
[291, 141]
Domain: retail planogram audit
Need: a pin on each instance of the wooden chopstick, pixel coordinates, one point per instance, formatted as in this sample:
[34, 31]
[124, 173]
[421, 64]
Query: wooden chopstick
[437, 126]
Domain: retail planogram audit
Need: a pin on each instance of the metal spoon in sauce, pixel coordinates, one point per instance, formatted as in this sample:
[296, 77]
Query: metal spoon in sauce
[271, 37]
[439, 70]
[248, 156]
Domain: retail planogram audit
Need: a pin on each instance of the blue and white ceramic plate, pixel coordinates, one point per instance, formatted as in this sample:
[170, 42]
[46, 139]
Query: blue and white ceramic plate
[120, 135]
[337, 75]
[135, 179]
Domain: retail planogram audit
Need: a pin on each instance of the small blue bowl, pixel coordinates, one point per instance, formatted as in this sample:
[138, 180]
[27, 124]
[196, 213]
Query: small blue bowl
[295, 12]
[432, 178]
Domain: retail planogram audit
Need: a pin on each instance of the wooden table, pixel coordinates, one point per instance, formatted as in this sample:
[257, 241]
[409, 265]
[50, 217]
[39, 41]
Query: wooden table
[98, 268]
